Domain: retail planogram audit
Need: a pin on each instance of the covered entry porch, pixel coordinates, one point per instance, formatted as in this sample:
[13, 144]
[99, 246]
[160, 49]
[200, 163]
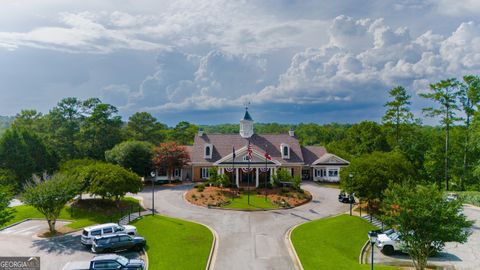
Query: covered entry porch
[249, 177]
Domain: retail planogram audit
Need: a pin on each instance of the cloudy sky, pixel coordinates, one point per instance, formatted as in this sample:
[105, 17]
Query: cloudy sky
[200, 61]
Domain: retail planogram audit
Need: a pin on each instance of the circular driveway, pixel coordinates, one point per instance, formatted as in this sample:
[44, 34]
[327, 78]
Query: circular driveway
[248, 240]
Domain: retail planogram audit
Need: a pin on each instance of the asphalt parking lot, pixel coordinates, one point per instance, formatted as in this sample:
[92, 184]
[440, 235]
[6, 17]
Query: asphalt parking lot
[21, 240]
[455, 256]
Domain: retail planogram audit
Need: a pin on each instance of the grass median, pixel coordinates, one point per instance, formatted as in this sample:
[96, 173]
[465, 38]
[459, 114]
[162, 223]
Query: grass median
[85, 213]
[174, 243]
[332, 243]
[256, 202]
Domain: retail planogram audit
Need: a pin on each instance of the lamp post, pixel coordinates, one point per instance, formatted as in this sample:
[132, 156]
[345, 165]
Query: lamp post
[350, 197]
[154, 176]
[372, 235]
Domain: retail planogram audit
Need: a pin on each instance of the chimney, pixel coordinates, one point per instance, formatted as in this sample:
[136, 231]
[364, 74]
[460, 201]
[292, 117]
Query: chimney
[200, 132]
[291, 132]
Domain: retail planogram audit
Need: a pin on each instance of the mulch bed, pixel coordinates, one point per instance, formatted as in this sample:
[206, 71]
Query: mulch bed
[215, 196]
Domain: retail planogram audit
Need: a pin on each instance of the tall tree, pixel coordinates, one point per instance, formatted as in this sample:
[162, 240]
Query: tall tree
[424, 219]
[444, 93]
[63, 123]
[469, 96]
[133, 155]
[183, 133]
[30, 120]
[369, 175]
[100, 130]
[398, 110]
[142, 126]
[49, 197]
[110, 180]
[15, 156]
[170, 155]
[361, 138]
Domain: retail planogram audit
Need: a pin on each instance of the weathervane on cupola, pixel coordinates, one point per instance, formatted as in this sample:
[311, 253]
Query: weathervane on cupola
[246, 124]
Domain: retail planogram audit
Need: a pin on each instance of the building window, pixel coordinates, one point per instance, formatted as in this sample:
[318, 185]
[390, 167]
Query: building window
[161, 171]
[205, 173]
[320, 172]
[176, 173]
[285, 150]
[333, 173]
[245, 158]
[208, 151]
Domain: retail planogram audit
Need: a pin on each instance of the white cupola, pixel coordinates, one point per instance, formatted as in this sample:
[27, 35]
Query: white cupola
[246, 125]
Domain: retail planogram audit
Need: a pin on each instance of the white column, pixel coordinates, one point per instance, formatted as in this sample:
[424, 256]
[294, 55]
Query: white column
[257, 182]
[236, 177]
[271, 174]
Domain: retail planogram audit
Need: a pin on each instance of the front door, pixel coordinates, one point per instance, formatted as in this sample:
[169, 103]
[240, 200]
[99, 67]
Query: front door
[247, 177]
[306, 174]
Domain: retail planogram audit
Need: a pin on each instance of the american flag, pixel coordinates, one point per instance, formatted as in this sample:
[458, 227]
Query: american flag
[249, 151]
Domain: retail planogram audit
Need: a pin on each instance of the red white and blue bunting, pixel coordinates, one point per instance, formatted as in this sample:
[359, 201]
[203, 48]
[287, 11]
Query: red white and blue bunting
[264, 170]
[247, 170]
[229, 170]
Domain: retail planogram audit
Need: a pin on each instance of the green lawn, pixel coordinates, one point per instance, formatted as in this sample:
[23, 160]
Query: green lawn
[174, 243]
[256, 202]
[85, 215]
[332, 243]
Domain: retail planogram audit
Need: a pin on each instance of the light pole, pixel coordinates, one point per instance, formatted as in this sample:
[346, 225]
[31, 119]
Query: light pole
[372, 235]
[350, 197]
[154, 176]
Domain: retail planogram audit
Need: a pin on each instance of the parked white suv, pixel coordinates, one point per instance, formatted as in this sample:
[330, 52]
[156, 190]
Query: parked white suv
[89, 233]
[389, 242]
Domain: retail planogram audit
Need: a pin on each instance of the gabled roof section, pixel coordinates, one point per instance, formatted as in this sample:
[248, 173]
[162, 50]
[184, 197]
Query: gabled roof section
[317, 155]
[330, 159]
[258, 157]
[223, 144]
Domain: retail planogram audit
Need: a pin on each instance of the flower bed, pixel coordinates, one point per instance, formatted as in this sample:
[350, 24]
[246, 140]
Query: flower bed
[222, 197]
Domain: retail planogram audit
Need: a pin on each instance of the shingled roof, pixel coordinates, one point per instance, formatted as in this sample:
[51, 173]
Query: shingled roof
[312, 153]
[223, 143]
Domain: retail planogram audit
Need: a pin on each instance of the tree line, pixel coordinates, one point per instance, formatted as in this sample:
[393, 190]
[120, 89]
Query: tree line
[446, 154]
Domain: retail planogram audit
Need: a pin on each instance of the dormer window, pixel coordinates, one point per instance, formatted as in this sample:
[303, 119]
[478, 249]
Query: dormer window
[208, 150]
[285, 150]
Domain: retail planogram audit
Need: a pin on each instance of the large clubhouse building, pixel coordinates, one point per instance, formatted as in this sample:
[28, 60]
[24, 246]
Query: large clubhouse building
[229, 153]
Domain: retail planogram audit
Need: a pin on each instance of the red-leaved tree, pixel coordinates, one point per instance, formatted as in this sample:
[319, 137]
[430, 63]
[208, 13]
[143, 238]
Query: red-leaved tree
[170, 155]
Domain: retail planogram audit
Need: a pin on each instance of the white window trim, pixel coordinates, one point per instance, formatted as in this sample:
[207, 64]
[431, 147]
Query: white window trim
[205, 150]
[332, 171]
[283, 145]
[205, 173]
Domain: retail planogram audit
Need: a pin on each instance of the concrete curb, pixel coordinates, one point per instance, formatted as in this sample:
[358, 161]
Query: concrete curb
[291, 249]
[214, 250]
[28, 219]
[145, 258]
[362, 252]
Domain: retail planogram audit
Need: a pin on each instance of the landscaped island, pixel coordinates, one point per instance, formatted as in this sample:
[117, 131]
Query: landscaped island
[233, 198]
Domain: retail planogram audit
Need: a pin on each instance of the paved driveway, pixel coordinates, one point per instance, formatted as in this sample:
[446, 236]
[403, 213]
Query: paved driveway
[455, 256]
[20, 240]
[248, 240]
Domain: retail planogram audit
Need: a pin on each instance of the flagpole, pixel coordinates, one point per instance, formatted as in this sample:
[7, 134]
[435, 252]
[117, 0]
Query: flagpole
[234, 174]
[248, 179]
[266, 172]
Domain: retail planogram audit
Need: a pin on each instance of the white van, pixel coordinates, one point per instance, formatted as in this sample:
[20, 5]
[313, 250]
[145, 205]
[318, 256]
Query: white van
[89, 233]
